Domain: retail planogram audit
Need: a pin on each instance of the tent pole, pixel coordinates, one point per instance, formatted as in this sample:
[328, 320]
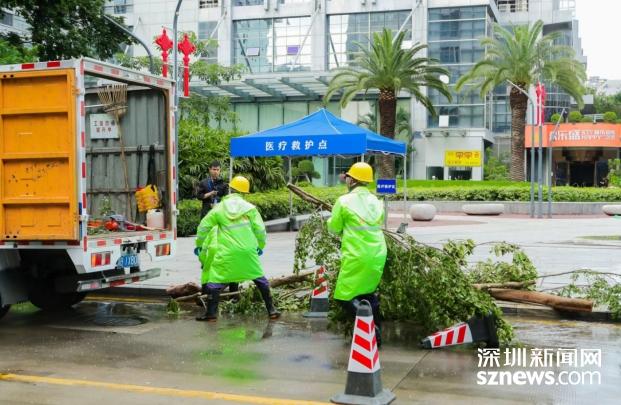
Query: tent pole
[290, 193]
[230, 171]
[405, 187]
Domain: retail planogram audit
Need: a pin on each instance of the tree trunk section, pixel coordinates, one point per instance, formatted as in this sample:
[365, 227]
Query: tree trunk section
[519, 104]
[554, 301]
[387, 116]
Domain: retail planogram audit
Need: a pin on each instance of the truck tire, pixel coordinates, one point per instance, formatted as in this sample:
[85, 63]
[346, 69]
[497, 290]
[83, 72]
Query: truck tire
[4, 310]
[43, 297]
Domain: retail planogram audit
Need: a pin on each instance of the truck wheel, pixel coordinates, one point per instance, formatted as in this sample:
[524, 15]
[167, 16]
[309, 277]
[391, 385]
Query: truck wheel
[4, 310]
[49, 300]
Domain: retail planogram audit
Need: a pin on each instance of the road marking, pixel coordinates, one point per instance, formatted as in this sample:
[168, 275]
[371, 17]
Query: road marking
[173, 392]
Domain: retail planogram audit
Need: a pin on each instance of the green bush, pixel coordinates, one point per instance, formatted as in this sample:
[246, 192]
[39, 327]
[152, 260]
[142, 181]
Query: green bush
[610, 116]
[575, 116]
[494, 168]
[555, 117]
[275, 204]
[587, 120]
[189, 217]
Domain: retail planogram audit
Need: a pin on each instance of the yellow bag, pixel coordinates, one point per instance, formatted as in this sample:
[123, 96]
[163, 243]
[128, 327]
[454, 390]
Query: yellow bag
[147, 198]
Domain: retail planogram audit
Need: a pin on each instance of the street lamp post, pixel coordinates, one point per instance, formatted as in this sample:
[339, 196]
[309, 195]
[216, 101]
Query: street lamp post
[532, 147]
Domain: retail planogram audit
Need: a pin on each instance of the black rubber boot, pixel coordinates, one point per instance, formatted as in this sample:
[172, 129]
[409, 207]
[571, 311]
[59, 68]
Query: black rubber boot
[234, 287]
[211, 313]
[269, 303]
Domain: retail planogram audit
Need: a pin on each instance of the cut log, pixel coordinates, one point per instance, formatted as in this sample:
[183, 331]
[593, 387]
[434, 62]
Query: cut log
[183, 290]
[534, 297]
[514, 285]
[294, 278]
[274, 282]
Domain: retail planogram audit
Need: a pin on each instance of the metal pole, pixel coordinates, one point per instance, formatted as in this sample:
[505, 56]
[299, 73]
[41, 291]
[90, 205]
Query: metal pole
[532, 148]
[230, 171]
[362, 157]
[550, 162]
[532, 163]
[131, 34]
[405, 187]
[176, 90]
[540, 168]
[290, 193]
[385, 213]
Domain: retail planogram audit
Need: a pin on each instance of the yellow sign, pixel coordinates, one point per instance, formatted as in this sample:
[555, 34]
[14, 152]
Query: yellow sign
[471, 158]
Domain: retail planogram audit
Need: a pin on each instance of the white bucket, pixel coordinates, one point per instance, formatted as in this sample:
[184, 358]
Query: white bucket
[155, 219]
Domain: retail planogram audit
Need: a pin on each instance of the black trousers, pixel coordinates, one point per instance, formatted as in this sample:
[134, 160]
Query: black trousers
[351, 306]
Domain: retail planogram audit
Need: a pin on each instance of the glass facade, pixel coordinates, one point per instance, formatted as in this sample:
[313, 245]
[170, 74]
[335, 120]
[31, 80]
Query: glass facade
[205, 28]
[347, 30]
[248, 2]
[273, 45]
[454, 35]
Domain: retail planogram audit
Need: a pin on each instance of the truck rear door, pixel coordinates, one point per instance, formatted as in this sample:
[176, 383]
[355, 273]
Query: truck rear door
[38, 169]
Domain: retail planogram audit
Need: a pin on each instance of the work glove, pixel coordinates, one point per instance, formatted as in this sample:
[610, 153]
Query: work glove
[197, 251]
[259, 251]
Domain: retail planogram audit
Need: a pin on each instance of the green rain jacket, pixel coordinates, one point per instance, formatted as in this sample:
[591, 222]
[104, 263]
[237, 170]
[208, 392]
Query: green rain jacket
[229, 236]
[358, 217]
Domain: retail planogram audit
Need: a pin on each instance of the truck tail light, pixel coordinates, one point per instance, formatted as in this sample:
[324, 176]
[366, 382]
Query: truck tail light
[162, 250]
[100, 259]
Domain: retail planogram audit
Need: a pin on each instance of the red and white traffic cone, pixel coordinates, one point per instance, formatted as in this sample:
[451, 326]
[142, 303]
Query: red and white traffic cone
[364, 384]
[476, 329]
[319, 304]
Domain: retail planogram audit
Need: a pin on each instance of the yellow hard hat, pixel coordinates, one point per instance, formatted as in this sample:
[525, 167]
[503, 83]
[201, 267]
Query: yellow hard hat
[241, 184]
[361, 171]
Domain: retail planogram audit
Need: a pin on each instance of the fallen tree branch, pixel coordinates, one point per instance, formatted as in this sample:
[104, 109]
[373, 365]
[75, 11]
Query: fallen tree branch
[534, 297]
[514, 285]
[274, 282]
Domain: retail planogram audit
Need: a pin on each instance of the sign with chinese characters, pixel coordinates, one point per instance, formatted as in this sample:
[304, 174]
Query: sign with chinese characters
[462, 158]
[386, 186]
[297, 145]
[103, 126]
[579, 135]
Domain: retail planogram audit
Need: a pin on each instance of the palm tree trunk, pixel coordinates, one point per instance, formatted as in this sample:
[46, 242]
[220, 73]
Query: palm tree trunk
[387, 112]
[518, 124]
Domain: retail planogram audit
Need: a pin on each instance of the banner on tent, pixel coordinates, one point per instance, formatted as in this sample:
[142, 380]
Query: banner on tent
[297, 146]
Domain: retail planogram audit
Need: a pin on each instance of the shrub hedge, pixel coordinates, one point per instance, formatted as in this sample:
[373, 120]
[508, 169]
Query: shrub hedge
[275, 204]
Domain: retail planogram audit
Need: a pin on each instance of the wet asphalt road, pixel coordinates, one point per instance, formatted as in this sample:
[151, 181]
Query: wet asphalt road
[135, 353]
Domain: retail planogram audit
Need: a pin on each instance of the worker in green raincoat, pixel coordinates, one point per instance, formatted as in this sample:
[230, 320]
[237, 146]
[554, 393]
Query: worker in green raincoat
[358, 217]
[231, 238]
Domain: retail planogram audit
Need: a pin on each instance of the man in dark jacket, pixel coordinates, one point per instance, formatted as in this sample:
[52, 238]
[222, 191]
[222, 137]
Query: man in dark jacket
[212, 189]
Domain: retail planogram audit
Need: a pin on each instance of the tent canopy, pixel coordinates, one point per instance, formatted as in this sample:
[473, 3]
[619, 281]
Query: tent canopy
[320, 133]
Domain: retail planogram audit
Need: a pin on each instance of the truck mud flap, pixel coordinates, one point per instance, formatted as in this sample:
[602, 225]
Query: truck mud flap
[115, 281]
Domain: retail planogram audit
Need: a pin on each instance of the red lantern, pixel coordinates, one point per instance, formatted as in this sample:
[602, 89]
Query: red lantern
[165, 45]
[187, 48]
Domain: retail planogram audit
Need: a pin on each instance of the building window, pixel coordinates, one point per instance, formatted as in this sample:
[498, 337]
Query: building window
[512, 6]
[348, 30]
[242, 3]
[207, 3]
[272, 45]
[205, 29]
[454, 39]
[7, 18]
[119, 6]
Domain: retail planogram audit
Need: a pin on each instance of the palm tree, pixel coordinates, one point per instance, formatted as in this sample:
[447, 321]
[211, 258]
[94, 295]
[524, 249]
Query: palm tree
[402, 122]
[389, 68]
[521, 55]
